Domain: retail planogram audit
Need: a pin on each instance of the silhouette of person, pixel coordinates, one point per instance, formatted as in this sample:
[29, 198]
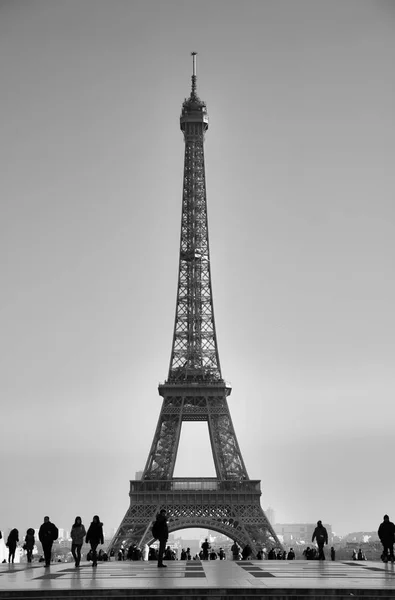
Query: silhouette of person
[94, 537]
[162, 534]
[213, 555]
[47, 534]
[321, 535]
[29, 543]
[77, 535]
[205, 547]
[235, 549]
[12, 540]
[247, 551]
[291, 554]
[386, 533]
[333, 553]
[360, 554]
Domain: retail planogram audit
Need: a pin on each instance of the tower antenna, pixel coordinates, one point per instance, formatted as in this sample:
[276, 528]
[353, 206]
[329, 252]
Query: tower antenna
[193, 54]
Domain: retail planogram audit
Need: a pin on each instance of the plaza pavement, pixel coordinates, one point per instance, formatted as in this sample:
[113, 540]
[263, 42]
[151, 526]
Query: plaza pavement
[217, 580]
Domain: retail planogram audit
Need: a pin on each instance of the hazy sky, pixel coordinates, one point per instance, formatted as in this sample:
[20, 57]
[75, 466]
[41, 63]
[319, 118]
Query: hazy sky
[300, 184]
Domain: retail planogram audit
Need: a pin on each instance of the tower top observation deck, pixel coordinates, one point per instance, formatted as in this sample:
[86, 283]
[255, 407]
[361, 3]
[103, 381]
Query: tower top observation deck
[193, 109]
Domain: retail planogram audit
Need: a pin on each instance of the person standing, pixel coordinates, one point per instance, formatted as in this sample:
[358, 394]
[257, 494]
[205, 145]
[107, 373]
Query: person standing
[47, 534]
[246, 553]
[387, 538]
[333, 553]
[291, 554]
[205, 548]
[161, 534]
[321, 535]
[77, 535]
[29, 543]
[94, 537]
[235, 549]
[12, 540]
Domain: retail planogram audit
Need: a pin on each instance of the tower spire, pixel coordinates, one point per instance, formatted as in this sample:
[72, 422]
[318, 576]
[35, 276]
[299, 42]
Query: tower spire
[193, 91]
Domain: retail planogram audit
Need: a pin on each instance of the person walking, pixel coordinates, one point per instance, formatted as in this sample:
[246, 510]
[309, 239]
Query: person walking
[161, 533]
[29, 543]
[94, 537]
[386, 533]
[77, 535]
[47, 534]
[12, 540]
[321, 535]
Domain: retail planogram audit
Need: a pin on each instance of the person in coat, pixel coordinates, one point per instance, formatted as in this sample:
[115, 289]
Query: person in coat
[291, 554]
[205, 548]
[387, 538]
[162, 534]
[77, 535]
[12, 541]
[321, 535]
[47, 534]
[246, 553]
[29, 543]
[235, 549]
[94, 537]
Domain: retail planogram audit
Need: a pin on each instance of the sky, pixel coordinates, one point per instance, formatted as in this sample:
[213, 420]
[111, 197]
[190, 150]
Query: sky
[300, 179]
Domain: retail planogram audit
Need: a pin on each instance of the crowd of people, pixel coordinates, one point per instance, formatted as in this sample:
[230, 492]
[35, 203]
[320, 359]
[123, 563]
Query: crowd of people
[48, 533]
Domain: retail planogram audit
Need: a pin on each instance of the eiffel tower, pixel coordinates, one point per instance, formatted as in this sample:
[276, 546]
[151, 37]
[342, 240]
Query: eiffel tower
[195, 391]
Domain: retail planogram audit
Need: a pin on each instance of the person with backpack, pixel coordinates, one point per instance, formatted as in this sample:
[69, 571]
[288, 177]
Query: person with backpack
[160, 531]
[47, 534]
[321, 536]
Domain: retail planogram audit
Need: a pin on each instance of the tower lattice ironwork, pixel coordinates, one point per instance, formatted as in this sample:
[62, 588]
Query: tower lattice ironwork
[195, 390]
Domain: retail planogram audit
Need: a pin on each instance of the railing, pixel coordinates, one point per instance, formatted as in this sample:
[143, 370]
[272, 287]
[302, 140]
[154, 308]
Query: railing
[206, 484]
[183, 383]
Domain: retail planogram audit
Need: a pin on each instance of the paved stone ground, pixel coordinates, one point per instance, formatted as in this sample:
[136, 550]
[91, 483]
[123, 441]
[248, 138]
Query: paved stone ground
[376, 577]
